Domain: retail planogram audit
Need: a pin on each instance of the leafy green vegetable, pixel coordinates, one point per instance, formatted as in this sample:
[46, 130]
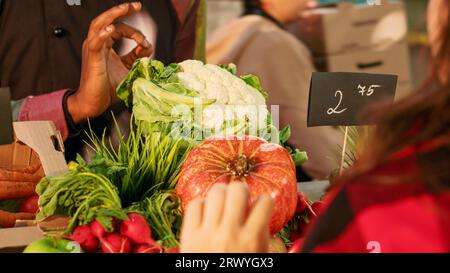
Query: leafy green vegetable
[81, 194]
[230, 68]
[124, 89]
[151, 70]
[144, 170]
[163, 211]
[285, 134]
[254, 82]
[11, 205]
[299, 157]
[143, 163]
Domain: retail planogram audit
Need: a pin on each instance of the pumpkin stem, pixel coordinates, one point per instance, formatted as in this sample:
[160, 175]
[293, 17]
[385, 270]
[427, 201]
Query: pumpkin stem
[241, 166]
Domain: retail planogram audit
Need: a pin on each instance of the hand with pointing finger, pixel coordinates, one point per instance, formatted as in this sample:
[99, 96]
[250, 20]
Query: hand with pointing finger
[224, 222]
[102, 69]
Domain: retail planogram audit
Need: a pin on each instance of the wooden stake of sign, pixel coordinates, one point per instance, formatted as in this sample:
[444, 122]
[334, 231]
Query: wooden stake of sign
[344, 147]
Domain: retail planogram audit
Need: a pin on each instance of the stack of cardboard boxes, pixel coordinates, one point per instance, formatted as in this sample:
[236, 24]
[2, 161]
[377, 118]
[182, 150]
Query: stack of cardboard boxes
[361, 38]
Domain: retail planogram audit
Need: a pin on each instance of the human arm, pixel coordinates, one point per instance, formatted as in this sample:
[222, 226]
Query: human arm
[102, 70]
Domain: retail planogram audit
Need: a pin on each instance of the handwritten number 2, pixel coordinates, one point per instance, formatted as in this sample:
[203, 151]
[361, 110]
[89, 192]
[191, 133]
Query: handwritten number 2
[335, 110]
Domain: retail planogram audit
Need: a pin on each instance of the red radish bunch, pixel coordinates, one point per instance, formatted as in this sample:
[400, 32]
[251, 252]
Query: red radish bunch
[133, 235]
[116, 243]
[173, 250]
[98, 230]
[302, 203]
[146, 249]
[138, 231]
[306, 211]
[84, 236]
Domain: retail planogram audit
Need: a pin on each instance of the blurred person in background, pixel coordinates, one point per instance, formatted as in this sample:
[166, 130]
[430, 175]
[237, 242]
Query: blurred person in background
[84, 49]
[396, 198]
[259, 44]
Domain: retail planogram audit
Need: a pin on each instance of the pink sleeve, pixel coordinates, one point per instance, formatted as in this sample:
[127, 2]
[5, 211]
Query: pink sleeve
[46, 107]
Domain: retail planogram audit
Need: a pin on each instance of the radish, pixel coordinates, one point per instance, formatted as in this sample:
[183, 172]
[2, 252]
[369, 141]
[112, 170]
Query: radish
[302, 203]
[98, 230]
[116, 243]
[146, 249]
[296, 247]
[173, 250]
[83, 235]
[137, 230]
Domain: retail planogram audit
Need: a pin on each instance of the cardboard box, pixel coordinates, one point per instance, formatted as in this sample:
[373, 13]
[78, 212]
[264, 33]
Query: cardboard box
[15, 240]
[342, 29]
[392, 60]
[35, 143]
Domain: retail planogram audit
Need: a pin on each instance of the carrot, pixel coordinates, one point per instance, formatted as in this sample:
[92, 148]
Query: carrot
[16, 190]
[6, 175]
[8, 219]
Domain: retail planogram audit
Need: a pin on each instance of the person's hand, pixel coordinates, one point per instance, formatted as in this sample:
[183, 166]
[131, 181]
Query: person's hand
[224, 223]
[102, 69]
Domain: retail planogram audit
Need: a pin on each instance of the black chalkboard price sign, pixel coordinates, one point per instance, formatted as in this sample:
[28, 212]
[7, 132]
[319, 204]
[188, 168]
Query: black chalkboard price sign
[337, 99]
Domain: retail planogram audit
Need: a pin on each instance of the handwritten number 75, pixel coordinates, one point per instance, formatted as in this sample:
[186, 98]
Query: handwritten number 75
[369, 92]
[336, 110]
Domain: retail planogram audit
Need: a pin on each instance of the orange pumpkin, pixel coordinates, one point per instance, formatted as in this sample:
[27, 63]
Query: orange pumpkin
[267, 168]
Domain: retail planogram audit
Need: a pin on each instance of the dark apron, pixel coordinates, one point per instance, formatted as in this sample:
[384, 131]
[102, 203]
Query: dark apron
[40, 49]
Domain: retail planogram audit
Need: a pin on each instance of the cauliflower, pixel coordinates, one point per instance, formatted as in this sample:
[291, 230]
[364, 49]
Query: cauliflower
[234, 97]
[173, 95]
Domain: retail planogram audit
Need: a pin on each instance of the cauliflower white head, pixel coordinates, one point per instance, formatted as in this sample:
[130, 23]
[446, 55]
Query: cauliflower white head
[235, 99]
[214, 82]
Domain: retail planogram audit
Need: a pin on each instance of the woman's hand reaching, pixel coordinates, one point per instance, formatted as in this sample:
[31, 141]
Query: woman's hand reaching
[224, 223]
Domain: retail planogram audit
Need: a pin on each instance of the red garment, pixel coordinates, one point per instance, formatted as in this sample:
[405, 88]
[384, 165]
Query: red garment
[367, 216]
[45, 107]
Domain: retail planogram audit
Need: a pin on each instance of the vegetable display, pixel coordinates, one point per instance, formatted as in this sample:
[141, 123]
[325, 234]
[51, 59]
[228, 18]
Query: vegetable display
[133, 234]
[193, 125]
[265, 167]
[114, 183]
